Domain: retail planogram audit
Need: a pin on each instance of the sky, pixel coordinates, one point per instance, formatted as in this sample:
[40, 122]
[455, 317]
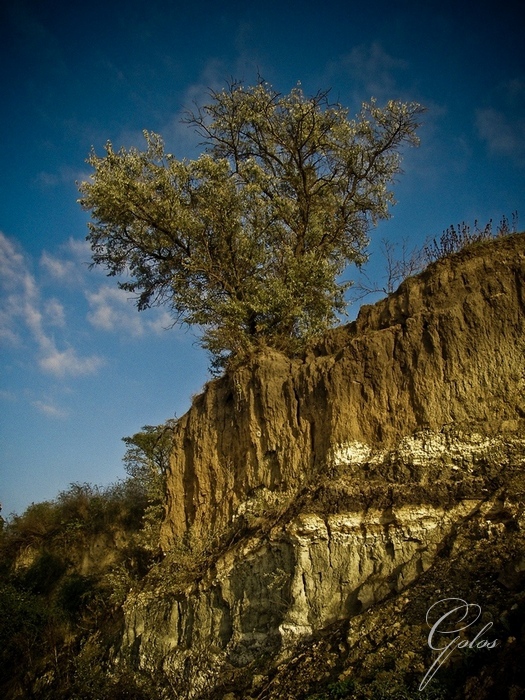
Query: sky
[80, 367]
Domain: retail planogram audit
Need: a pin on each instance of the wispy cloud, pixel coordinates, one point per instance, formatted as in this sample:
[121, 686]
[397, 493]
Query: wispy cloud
[12, 265]
[161, 322]
[503, 135]
[54, 313]
[372, 72]
[50, 410]
[64, 175]
[57, 268]
[181, 138]
[112, 310]
[26, 314]
[79, 248]
[63, 363]
[501, 124]
[69, 265]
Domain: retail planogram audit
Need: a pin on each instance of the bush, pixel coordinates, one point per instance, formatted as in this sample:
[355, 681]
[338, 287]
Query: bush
[24, 618]
[57, 625]
[39, 521]
[385, 686]
[74, 594]
[452, 240]
[42, 576]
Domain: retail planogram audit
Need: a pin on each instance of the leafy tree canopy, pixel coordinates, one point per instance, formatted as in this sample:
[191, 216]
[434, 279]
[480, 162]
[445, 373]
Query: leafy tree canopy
[147, 457]
[249, 240]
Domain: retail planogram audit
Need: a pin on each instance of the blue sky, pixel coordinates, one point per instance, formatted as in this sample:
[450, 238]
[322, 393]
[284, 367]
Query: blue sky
[80, 367]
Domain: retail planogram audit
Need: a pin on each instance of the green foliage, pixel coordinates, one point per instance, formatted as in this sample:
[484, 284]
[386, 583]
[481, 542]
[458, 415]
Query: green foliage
[24, 617]
[340, 689]
[146, 461]
[48, 606]
[80, 511]
[248, 240]
[92, 509]
[66, 568]
[92, 682]
[147, 458]
[39, 520]
[74, 595]
[43, 574]
[384, 687]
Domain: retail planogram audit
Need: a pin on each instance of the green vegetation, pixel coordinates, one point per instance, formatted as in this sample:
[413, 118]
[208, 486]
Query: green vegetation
[384, 687]
[66, 567]
[249, 240]
[146, 462]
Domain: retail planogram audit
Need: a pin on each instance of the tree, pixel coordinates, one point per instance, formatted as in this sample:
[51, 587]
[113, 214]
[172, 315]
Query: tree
[249, 240]
[147, 461]
[147, 458]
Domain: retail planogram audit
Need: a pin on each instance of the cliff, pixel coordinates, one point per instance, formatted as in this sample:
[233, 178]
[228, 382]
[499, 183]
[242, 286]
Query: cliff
[445, 350]
[317, 507]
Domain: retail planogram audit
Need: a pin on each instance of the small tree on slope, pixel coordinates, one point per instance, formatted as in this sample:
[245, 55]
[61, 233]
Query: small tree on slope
[248, 241]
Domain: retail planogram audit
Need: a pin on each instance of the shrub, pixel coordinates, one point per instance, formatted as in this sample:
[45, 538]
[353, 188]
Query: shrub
[74, 594]
[43, 574]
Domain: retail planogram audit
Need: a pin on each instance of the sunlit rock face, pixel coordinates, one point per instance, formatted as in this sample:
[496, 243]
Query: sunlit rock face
[324, 562]
[321, 488]
[446, 350]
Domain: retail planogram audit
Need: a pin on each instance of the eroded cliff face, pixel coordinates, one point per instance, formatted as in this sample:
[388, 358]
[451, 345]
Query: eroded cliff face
[311, 491]
[445, 350]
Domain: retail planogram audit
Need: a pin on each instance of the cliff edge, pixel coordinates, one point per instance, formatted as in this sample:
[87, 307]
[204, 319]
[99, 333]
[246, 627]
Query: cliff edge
[446, 349]
[317, 507]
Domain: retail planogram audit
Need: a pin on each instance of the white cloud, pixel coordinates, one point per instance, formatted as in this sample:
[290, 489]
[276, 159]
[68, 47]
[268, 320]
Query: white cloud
[47, 180]
[372, 71]
[7, 335]
[62, 270]
[50, 410]
[71, 265]
[65, 175]
[25, 314]
[180, 137]
[110, 308]
[54, 313]
[80, 248]
[502, 126]
[113, 310]
[18, 289]
[514, 89]
[162, 322]
[12, 265]
[67, 362]
[503, 135]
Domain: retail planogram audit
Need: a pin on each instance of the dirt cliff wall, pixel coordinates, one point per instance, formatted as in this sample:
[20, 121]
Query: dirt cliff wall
[446, 349]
